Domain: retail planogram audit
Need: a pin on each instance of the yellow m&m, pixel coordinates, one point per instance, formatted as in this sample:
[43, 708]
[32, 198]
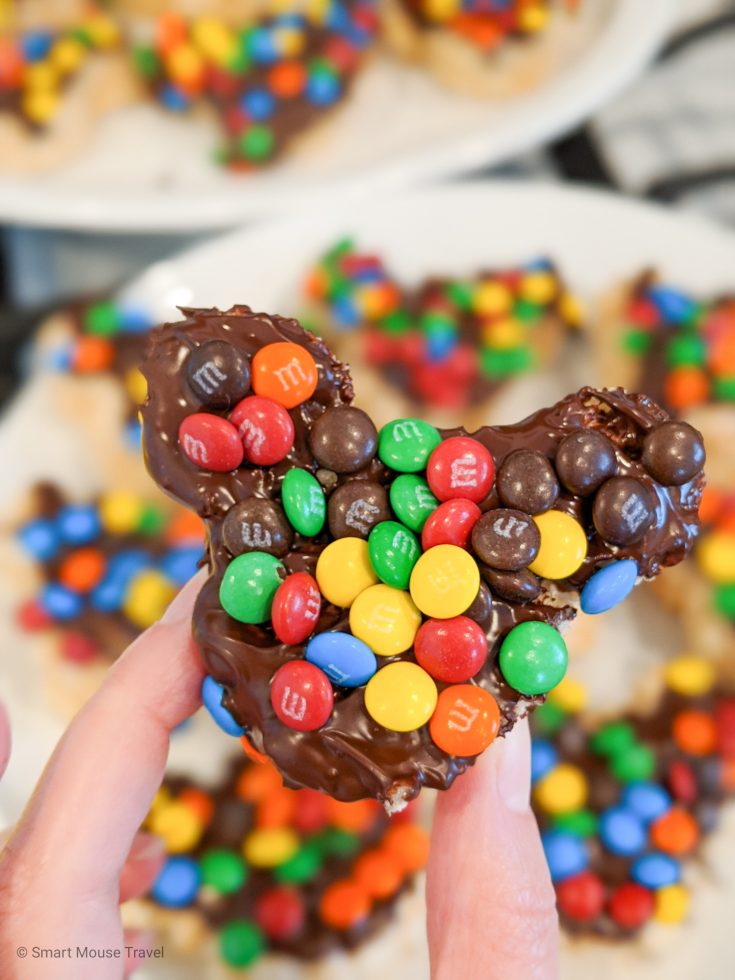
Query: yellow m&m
[401, 696]
[563, 545]
[445, 581]
[690, 676]
[147, 597]
[492, 299]
[267, 847]
[716, 557]
[538, 287]
[137, 385]
[562, 790]
[386, 619]
[570, 695]
[178, 825]
[344, 571]
[672, 904]
[121, 512]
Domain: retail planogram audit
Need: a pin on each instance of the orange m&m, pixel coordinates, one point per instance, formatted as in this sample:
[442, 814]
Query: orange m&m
[676, 832]
[408, 844]
[344, 904]
[379, 873]
[465, 721]
[82, 569]
[92, 354]
[686, 386]
[695, 732]
[287, 79]
[284, 372]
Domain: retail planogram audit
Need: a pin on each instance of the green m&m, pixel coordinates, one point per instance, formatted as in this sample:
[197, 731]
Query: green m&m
[533, 658]
[406, 444]
[393, 552]
[302, 867]
[249, 585]
[633, 764]
[223, 870]
[304, 502]
[613, 738]
[241, 943]
[412, 501]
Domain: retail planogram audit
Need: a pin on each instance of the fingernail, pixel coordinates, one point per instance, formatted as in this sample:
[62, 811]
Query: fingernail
[180, 608]
[513, 768]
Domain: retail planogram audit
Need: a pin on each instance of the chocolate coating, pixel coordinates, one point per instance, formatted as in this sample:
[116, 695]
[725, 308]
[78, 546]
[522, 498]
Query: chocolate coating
[673, 452]
[584, 461]
[356, 507]
[520, 586]
[506, 539]
[623, 510]
[343, 439]
[218, 374]
[526, 481]
[257, 525]
[351, 757]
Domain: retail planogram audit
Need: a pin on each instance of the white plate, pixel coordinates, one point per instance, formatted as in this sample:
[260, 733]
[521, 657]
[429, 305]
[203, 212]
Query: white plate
[147, 171]
[597, 239]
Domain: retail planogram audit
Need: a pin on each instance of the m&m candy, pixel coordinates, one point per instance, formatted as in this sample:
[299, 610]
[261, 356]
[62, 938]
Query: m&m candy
[608, 586]
[301, 695]
[460, 467]
[401, 696]
[249, 586]
[565, 853]
[285, 373]
[533, 657]
[445, 581]
[386, 619]
[450, 523]
[393, 551]
[346, 660]
[563, 545]
[451, 650]
[177, 883]
[406, 444]
[465, 721]
[304, 502]
[212, 695]
[296, 608]
[344, 570]
[622, 832]
[211, 442]
[412, 501]
[266, 430]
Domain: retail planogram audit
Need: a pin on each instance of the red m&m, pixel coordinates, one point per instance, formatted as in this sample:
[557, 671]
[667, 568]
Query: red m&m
[460, 467]
[450, 523]
[581, 897]
[281, 913]
[631, 905]
[301, 695]
[210, 442]
[296, 608]
[451, 650]
[465, 721]
[266, 430]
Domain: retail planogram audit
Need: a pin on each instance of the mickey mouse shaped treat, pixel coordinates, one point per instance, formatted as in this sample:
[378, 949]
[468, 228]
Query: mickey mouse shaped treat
[382, 605]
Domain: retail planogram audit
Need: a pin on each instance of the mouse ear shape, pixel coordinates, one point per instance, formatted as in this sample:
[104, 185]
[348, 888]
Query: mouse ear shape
[382, 605]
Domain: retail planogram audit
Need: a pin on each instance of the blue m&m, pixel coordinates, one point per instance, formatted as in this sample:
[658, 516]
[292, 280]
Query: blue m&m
[212, 694]
[40, 538]
[79, 523]
[566, 854]
[60, 602]
[180, 564]
[622, 832]
[608, 586]
[347, 661]
[177, 883]
[648, 801]
[656, 870]
[543, 758]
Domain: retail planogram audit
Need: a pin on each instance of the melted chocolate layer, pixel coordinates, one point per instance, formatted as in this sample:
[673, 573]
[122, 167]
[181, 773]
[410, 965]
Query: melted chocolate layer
[351, 756]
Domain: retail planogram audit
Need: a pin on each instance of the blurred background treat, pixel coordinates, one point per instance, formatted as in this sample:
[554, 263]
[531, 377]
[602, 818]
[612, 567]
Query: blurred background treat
[399, 173]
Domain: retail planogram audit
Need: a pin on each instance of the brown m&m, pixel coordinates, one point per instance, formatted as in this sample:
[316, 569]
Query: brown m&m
[584, 460]
[343, 439]
[506, 539]
[623, 510]
[257, 525]
[520, 586]
[527, 481]
[355, 508]
[218, 374]
[673, 452]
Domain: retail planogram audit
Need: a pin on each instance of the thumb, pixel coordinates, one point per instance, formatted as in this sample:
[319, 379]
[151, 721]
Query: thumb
[491, 905]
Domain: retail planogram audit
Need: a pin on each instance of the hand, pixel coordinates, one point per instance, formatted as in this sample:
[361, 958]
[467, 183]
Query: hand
[76, 852]
[491, 906]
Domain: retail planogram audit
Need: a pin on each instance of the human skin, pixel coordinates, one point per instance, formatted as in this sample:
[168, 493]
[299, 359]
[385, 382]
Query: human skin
[77, 851]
